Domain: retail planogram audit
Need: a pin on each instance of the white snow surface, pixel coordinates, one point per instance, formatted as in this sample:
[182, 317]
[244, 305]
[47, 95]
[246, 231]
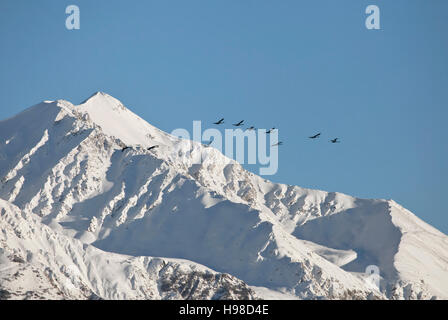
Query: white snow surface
[138, 224]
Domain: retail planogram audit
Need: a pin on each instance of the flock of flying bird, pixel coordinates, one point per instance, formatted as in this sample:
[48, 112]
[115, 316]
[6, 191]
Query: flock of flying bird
[240, 123]
[149, 149]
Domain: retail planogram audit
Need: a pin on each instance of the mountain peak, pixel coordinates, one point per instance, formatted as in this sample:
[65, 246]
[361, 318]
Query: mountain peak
[118, 121]
[102, 98]
[98, 93]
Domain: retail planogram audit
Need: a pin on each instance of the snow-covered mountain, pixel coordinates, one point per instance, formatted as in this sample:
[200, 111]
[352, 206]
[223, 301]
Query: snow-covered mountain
[81, 218]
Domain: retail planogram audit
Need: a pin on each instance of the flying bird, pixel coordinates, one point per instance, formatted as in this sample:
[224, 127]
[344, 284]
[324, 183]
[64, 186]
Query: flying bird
[277, 144]
[315, 136]
[153, 147]
[209, 143]
[335, 140]
[239, 123]
[251, 128]
[220, 121]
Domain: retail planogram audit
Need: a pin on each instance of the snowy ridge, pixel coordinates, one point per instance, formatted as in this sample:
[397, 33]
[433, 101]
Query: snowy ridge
[69, 170]
[38, 263]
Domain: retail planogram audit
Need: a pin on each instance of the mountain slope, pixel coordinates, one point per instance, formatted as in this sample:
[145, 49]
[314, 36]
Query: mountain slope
[38, 263]
[69, 169]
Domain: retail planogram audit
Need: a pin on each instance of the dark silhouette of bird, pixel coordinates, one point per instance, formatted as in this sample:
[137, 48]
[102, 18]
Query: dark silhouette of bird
[251, 128]
[124, 148]
[239, 123]
[335, 140]
[315, 136]
[270, 130]
[277, 144]
[209, 143]
[220, 121]
[153, 147]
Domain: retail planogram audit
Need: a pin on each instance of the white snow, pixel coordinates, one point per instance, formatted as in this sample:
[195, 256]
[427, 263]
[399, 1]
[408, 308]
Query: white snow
[100, 216]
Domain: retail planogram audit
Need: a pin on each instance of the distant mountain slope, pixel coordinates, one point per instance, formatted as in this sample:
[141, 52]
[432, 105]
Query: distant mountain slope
[39, 263]
[69, 169]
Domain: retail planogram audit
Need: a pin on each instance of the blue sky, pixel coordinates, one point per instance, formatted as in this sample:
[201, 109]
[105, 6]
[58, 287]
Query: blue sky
[302, 66]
